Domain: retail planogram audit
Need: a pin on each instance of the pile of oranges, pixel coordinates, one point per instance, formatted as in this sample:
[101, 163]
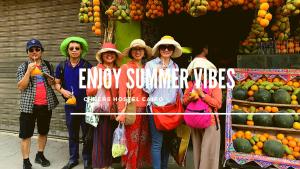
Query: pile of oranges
[137, 10]
[263, 16]
[175, 6]
[258, 140]
[154, 9]
[96, 28]
[215, 5]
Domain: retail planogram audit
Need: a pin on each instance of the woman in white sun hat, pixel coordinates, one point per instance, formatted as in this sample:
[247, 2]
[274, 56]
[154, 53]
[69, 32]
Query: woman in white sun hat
[163, 50]
[206, 139]
[103, 134]
[137, 131]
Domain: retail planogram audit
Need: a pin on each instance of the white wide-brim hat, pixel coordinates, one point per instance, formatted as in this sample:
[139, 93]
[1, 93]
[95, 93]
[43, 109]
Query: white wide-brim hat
[108, 47]
[138, 43]
[200, 63]
[167, 40]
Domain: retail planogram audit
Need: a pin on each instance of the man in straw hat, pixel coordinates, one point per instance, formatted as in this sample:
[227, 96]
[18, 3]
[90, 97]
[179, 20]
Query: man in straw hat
[37, 102]
[67, 84]
[163, 50]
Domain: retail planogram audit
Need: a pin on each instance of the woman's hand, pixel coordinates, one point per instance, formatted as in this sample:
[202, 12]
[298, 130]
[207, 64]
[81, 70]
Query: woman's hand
[200, 92]
[121, 117]
[67, 94]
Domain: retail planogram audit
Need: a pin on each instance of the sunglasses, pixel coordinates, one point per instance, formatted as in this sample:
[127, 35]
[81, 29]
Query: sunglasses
[34, 49]
[72, 48]
[169, 47]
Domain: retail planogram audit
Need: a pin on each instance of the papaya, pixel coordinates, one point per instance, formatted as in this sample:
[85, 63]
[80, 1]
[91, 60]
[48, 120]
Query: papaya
[283, 121]
[263, 120]
[282, 96]
[262, 95]
[273, 148]
[239, 93]
[242, 145]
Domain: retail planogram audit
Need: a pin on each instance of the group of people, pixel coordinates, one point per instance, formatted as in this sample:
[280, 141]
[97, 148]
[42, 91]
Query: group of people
[146, 144]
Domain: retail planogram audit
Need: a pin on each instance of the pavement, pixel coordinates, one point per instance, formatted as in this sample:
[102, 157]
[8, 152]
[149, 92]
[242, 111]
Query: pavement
[56, 152]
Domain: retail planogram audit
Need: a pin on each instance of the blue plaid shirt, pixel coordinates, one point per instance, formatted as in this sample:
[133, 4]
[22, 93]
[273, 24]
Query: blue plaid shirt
[28, 95]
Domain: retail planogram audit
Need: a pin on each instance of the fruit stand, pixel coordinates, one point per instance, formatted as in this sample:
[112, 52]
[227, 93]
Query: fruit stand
[254, 132]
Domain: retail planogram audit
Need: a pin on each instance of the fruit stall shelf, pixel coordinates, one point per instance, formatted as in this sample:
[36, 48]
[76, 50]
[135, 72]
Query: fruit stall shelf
[243, 102]
[263, 128]
[267, 61]
[262, 160]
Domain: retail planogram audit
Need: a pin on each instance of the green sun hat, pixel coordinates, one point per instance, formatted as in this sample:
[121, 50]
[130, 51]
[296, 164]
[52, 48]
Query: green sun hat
[65, 43]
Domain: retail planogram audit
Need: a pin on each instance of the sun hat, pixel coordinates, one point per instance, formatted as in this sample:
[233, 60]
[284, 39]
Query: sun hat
[107, 47]
[34, 43]
[168, 40]
[200, 63]
[65, 44]
[138, 43]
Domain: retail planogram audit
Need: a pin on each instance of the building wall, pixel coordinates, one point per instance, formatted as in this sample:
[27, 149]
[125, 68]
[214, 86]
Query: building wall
[49, 21]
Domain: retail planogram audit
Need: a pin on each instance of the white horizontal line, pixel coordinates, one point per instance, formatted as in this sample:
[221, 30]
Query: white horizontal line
[186, 113]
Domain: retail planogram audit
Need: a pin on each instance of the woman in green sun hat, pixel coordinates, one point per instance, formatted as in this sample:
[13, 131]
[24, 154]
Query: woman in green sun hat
[67, 84]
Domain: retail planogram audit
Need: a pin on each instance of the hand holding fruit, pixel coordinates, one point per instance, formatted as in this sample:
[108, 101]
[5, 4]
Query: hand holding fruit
[67, 94]
[200, 92]
[31, 67]
[193, 96]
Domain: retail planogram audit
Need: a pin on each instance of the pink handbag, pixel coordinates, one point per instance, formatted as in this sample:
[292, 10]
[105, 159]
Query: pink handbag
[196, 119]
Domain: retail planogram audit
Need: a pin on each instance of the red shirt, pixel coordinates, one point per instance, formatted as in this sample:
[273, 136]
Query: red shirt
[40, 92]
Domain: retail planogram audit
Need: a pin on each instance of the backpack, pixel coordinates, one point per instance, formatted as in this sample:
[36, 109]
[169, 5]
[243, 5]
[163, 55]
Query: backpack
[49, 66]
[61, 66]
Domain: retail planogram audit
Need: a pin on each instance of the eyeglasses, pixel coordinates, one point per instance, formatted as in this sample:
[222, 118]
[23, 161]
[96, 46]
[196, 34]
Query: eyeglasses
[72, 48]
[169, 47]
[34, 49]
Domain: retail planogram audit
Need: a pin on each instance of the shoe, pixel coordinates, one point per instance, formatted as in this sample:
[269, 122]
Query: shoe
[40, 159]
[70, 165]
[27, 165]
[87, 165]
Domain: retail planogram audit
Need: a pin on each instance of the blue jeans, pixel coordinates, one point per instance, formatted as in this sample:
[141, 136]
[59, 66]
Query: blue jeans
[74, 123]
[159, 151]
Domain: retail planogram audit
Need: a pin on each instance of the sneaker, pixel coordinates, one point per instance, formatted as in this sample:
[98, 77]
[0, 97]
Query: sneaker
[40, 159]
[27, 165]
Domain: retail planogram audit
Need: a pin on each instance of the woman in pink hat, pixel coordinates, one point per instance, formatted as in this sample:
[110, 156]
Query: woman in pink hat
[137, 131]
[103, 134]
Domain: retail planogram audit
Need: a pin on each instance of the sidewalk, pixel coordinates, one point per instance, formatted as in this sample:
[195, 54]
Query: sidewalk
[56, 152]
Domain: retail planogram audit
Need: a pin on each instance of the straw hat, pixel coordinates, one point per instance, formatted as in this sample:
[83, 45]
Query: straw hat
[138, 43]
[65, 43]
[107, 47]
[167, 40]
[200, 63]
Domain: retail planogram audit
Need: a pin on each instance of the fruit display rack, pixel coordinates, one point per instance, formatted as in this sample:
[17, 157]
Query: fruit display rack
[258, 136]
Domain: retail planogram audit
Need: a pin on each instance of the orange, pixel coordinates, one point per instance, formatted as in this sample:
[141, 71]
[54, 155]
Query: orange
[96, 2]
[250, 93]
[260, 144]
[97, 24]
[280, 136]
[297, 149]
[290, 157]
[96, 14]
[96, 8]
[255, 148]
[254, 87]
[236, 107]
[250, 123]
[294, 97]
[298, 111]
[296, 84]
[296, 154]
[290, 83]
[266, 135]
[262, 138]
[98, 32]
[276, 79]
[264, 22]
[294, 102]
[263, 1]
[284, 141]
[248, 135]
[274, 109]
[97, 19]
[268, 108]
[261, 13]
[239, 134]
[93, 28]
[258, 152]
[264, 6]
[289, 138]
[259, 81]
[263, 79]
[292, 143]
[269, 18]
